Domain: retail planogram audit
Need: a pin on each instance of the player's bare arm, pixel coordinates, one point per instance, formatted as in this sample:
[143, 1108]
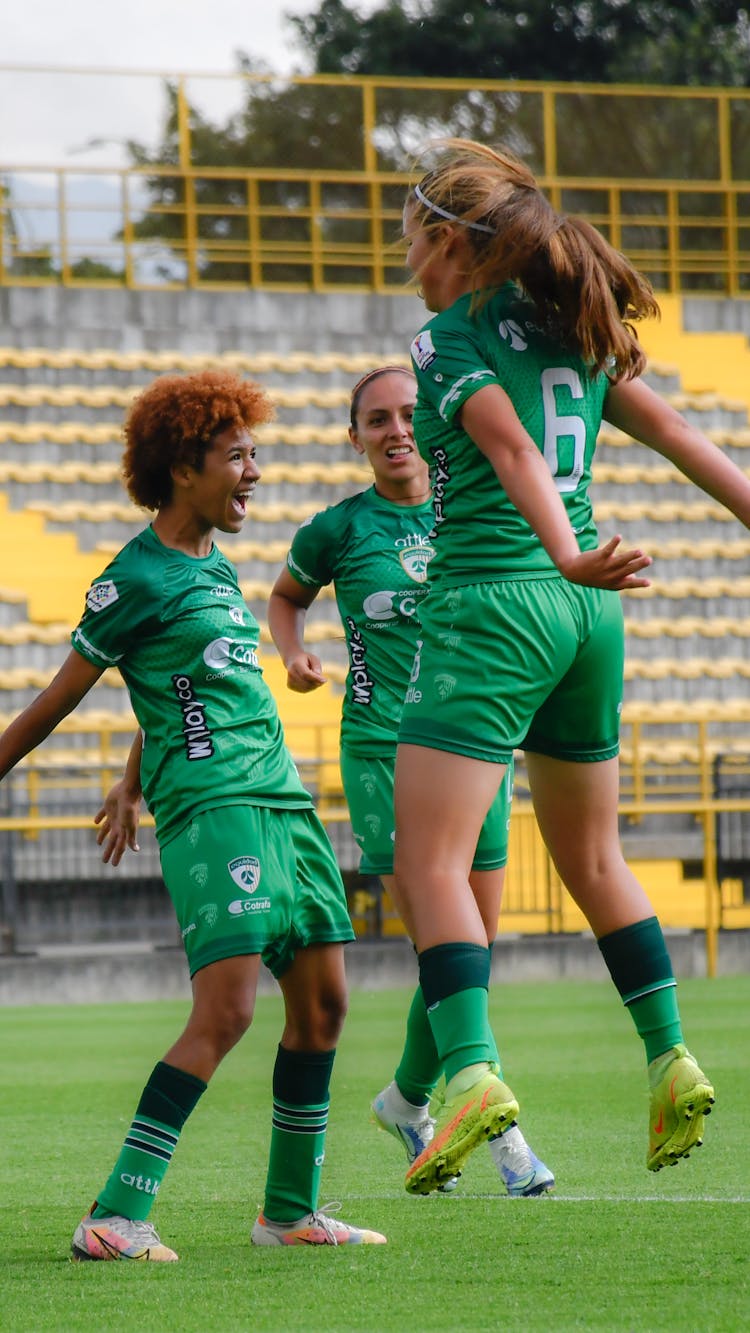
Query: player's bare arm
[63, 694]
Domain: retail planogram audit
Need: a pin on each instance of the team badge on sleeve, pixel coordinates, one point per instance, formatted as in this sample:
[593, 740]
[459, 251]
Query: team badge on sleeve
[100, 595]
[423, 350]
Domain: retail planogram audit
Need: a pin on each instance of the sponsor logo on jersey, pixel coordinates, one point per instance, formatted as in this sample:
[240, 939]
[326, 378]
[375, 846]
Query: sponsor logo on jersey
[423, 349]
[223, 654]
[440, 478]
[362, 685]
[209, 914]
[513, 333]
[223, 590]
[100, 595]
[189, 929]
[245, 871]
[198, 742]
[199, 874]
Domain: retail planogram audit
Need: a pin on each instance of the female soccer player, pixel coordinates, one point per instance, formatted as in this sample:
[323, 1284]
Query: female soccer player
[249, 868]
[375, 547]
[530, 346]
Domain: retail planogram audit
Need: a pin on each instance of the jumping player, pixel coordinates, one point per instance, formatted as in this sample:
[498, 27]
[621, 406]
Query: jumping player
[531, 345]
[249, 868]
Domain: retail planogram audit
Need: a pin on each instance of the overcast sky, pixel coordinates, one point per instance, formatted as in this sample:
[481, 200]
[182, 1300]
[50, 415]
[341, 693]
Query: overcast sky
[46, 119]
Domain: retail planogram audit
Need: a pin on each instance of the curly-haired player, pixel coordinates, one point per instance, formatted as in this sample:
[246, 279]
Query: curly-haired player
[248, 866]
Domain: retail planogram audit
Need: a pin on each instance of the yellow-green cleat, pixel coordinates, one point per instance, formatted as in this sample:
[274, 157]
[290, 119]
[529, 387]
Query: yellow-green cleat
[680, 1100]
[486, 1108]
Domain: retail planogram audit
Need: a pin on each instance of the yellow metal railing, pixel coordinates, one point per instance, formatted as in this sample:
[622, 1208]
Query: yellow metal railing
[324, 215]
[667, 775]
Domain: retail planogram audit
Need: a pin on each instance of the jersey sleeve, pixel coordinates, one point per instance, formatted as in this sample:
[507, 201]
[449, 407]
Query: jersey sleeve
[312, 555]
[120, 605]
[449, 365]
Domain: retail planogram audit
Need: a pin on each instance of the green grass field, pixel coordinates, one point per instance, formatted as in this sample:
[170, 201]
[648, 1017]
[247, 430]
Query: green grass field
[616, 1248]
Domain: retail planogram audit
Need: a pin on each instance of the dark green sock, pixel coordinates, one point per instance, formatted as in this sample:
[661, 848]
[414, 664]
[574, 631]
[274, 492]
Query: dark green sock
[641, 969]
[454, 980]
[300, 1118]
[166, 1102]
[420, 1066]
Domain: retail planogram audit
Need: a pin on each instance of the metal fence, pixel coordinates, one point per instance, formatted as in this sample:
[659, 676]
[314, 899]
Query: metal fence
[685, 788]
[251, 181]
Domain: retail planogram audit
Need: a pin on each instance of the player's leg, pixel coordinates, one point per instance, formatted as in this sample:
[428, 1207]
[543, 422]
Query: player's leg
[576, 806]
[441, 800]
[116, 1226]
[309, 966]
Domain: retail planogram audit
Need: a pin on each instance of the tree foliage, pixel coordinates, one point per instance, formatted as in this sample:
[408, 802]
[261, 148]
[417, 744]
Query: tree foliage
[694, 42]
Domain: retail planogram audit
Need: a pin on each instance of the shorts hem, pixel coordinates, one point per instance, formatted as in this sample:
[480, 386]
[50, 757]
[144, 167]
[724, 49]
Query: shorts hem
[489, 863]
[573, 754]
[411, 735]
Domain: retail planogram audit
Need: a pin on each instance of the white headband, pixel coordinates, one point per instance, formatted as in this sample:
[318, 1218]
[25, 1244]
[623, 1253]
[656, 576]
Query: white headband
[451, 217]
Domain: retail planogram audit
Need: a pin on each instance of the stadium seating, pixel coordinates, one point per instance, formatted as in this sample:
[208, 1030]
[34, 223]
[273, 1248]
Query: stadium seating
[63, 513]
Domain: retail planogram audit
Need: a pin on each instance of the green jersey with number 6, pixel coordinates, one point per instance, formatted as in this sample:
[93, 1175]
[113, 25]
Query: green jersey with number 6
[377, 555]
[480, 535]
[186, 646]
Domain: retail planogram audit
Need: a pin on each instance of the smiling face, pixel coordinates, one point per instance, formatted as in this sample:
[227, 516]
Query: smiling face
[217, 496]
[384, 434]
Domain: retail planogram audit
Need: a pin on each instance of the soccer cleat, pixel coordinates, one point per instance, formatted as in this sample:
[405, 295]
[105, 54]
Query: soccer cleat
[483, 1111]
[413, 1135]
[316, 1228]
[680, 1101]
[522, 1173]
[118, 1238]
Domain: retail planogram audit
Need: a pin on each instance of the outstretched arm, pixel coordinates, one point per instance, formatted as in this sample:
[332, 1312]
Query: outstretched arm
[637, 410]
[287, 607]
[118, 816]
[63, 694]
[493, 424]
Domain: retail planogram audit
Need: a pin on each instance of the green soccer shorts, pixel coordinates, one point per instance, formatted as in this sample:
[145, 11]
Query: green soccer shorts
[368, 787]
[533, 663]
[250, 879]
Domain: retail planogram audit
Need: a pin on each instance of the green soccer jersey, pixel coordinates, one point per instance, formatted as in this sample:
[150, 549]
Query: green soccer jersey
[377, 555]
[479, 534]
[186, 645]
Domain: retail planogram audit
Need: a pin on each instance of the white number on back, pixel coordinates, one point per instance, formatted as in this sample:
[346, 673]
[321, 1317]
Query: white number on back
[556, 426]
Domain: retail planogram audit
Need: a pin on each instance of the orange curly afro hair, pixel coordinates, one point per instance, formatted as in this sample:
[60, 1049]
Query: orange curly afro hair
[175, 420]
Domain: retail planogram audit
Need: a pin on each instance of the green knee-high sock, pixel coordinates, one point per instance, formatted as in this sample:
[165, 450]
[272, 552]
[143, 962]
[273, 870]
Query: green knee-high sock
[640, 967]
[420, 1066]
[166, 1102]
[454, 980]
[298, 1132]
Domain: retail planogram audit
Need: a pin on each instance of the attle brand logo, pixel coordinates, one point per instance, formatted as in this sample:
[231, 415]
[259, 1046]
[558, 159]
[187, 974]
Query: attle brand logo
[245, 871]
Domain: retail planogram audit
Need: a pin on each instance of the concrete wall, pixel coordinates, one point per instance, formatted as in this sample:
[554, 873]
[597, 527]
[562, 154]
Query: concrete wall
[198, 321]
[121, 973]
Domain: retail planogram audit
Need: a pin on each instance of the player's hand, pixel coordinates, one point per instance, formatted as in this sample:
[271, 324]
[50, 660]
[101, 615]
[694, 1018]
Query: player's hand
[607, 567]
[304, 673]
[118, 823]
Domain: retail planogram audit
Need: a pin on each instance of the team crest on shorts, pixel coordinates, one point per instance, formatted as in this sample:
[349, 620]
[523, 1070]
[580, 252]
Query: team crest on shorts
[245, 871]
[100, 595]
[445, 685]
[199, 874]
[209, 914]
